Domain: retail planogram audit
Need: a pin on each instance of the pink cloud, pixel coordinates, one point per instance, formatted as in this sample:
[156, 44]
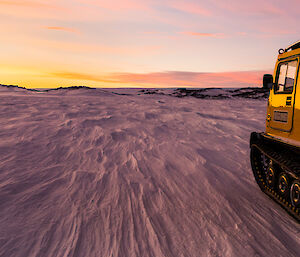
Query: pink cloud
[190, 7]
[254, 7]
[55, 9]
[34, 9]
[194, 79]
[151, 9]
[28, 4]
[199, 34]
[62, 29]
[118, 5]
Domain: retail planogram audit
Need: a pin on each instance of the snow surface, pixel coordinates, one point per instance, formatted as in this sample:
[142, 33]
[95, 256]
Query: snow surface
[119, 173]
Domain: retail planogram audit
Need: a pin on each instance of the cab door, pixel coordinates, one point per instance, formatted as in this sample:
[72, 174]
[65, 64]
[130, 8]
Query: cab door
[281, 110]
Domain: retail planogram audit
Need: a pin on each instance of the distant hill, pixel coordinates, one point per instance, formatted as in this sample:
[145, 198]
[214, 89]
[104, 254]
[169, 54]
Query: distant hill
[203, 93]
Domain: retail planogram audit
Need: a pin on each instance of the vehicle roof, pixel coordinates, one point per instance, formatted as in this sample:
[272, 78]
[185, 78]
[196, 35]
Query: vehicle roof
[289, 53]
[291, 50]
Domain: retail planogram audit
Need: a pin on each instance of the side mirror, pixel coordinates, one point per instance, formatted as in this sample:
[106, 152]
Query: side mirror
[268, 81]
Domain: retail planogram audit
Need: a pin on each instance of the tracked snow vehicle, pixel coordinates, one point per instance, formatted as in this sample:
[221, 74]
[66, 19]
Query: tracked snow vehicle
[275, 153]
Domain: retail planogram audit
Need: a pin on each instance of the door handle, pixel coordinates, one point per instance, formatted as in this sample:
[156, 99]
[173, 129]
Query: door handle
[288, 101]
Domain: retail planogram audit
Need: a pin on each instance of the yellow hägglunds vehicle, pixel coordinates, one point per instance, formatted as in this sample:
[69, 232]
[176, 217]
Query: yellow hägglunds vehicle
[275, 153]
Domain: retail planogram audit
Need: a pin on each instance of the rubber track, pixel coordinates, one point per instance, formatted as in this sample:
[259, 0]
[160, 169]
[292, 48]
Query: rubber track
[289, 161]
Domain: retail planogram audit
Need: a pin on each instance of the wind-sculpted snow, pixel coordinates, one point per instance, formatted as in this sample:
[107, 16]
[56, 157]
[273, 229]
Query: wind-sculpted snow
[98, 173]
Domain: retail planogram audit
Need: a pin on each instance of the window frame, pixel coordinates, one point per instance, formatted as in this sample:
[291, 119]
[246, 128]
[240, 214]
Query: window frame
[277, 76]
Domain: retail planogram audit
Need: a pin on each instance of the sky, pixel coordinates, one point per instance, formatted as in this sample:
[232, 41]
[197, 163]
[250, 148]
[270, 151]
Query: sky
[143, 43]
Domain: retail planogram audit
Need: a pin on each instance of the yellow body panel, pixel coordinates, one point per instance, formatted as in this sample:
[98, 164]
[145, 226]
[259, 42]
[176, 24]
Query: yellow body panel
[283, 113]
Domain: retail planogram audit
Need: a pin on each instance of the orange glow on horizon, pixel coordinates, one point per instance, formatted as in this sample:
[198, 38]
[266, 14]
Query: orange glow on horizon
[172, 79]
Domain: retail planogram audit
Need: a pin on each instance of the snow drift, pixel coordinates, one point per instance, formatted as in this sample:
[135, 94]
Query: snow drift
[122, 173]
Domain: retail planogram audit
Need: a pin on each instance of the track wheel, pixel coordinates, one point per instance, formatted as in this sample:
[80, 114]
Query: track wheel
[270, 176]
[295, 193]
[283, 184]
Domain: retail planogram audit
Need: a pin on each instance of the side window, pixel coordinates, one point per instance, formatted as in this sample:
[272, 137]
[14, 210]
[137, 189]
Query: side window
[286, 75]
